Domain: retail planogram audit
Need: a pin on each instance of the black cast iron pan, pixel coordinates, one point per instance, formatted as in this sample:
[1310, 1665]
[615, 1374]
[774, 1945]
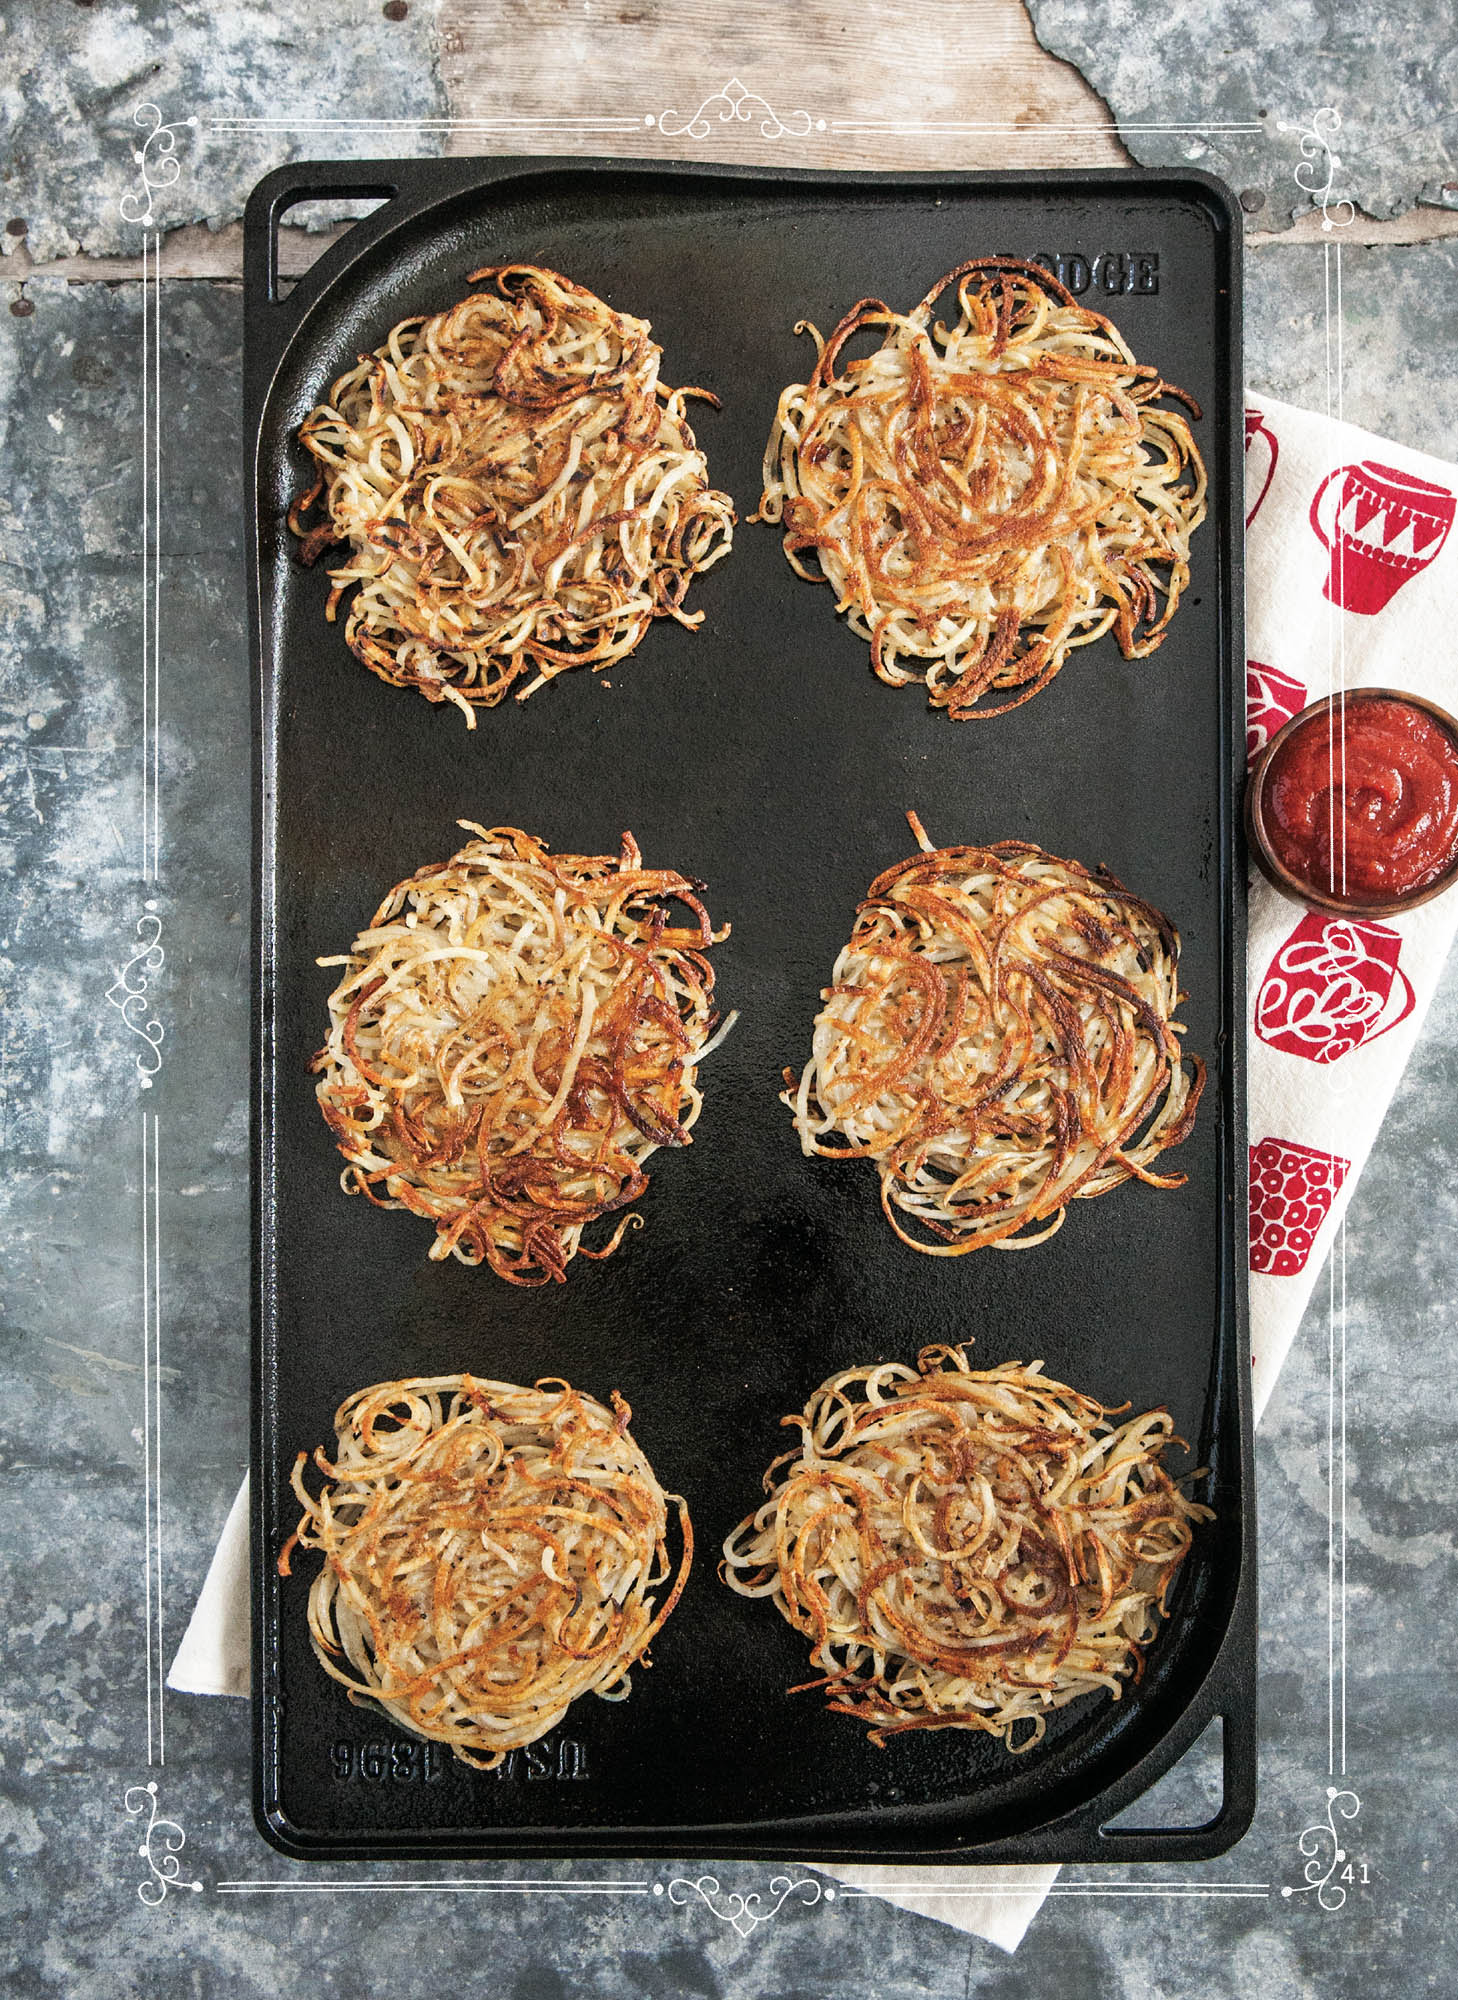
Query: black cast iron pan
[763, 756]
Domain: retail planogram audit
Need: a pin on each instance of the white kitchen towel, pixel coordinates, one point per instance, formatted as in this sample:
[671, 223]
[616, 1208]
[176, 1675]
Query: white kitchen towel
[1351, 581]
[215, 1654]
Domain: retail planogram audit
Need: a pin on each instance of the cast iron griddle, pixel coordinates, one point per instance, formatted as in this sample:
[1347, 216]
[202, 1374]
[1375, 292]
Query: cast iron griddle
[762, 755]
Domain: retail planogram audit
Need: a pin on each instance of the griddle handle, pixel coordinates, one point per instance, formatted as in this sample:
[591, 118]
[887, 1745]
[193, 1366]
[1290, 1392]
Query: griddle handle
[326, 181]
[1212, 1836]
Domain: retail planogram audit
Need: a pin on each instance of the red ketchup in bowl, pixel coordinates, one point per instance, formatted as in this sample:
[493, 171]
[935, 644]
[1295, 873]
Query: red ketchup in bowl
[1364, 802]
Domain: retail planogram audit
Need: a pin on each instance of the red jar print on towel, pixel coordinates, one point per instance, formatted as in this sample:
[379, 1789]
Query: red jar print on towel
[1261, 453]
[1334, 984]
[1381, 526]
[1292, 1189]
[1271, 698]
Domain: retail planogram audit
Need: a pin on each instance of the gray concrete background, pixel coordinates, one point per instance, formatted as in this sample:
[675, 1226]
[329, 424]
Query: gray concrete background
[80, 73]
[72, 1730]
[1392, 71]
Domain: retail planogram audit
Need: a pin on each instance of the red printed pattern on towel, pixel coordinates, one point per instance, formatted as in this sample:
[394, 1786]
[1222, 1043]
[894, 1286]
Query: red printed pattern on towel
[1292, 1188]
[1334, 984]
[1271, 698]
[1384, 527]
[1261, 453]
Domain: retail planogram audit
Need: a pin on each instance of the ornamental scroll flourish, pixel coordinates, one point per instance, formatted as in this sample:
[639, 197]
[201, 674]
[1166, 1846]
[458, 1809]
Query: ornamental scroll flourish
[736, 105]
[165, 1867]
[745, 1914]
[1322, 1846]
[1318, 159]
[128, 993]
[157, 161]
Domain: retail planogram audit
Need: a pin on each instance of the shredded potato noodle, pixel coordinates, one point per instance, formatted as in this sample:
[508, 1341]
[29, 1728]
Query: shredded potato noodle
[490, 1553]
[520, 492]
[985, 496]
[514, 1034]
[966, 1549]
[999, 1038]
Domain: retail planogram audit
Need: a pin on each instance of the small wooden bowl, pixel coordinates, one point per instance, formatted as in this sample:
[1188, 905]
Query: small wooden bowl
[1270, 864]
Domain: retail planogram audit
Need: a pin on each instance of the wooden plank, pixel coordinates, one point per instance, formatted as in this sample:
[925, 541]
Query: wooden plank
[194, 252]
[827, 82]
[1418, 225]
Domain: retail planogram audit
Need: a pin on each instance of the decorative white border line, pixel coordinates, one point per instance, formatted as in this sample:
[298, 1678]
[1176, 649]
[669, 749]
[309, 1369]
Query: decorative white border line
[746, 1911]
[151, 1184]
[1219, 1892]
[734, 104]
[151, 553]
[1338, 1261]
[159, 168]
[516, 1885]
[405, 126]
[961, 126]
[1319, 158]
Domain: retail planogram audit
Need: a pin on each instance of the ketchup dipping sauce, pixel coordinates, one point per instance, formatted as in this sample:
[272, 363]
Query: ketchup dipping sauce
[1383, 827]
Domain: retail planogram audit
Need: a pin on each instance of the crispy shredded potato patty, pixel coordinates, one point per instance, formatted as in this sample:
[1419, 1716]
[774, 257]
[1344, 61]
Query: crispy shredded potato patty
[966, 1549]
[519, 492]
[999, 1038]
[983, 496]
[490, 1553]
[513, 1035]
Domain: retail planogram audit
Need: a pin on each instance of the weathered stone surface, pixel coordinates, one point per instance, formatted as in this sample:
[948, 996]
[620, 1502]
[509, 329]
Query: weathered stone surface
[73, 1715]
[1398, 372]
[1391, 73]
[78, 79]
